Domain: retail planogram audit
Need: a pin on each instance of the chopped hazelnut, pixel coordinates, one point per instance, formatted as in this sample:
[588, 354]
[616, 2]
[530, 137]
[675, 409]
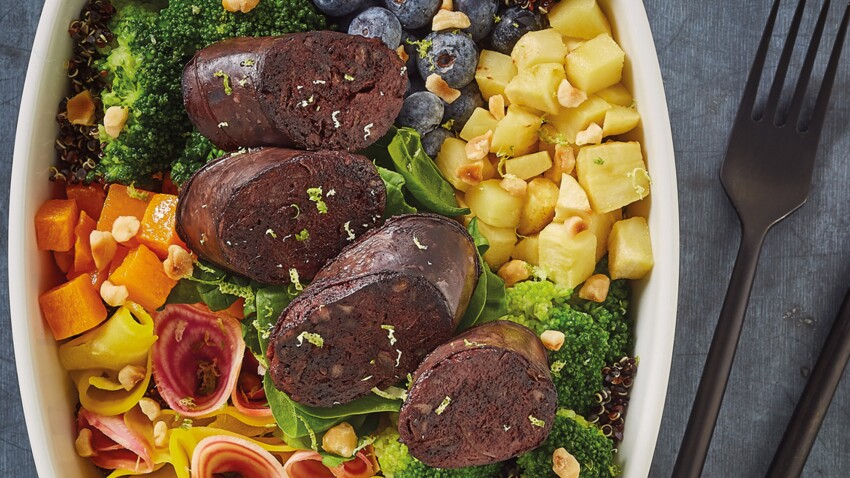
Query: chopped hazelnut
[447, 5]
[496, 105]
[595, 288]
[83, 443]
[179, 263]
[479, 147]
[340, 440]
[552, 339]
[437, 85]
[103, 248]
[565, 158]
[514, 271]
[160, 434]
[243, 6]
[150, 408]
[574, 225]
[114, 295]
[114, 120]
[125, 228]
[448, 20]
[472, 173]
[570, 96]
[130, 376]
[565, 465]
[80, 109]
[592, 135]
[514, 186]
[402, 53]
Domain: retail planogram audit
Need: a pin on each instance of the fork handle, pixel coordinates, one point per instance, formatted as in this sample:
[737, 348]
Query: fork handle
[718, 363]
[793, 451]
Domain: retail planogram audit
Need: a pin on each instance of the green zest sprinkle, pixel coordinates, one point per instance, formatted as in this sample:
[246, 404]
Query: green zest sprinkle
[297, 210]
[293, 277]
[348, 77]
[598, 161]
[314, 339]
[136, 194]
[366, 379]
[449, 124]
[419, 244]
[226, 79]
[556, 367]
[497, 19]
[469, 343]
[247, 63]
[205, 268]
[303, 235]
[536, 421]
[348, 230]
[391, 393]
[315, 195]
[270, 232]
[443, 406]
[390, 333]
[187, 402]
[187, 424]
[422, 46]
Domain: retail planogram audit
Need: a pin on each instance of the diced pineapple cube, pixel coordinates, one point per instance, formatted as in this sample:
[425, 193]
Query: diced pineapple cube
[617, 95]
[572, 200]
[613, 174]
[543, 46]
[494, 205]
[516, 134]
[570, 121]
[537, 87]
[600, 225]
[502, 241]
[579, 18]
[528, 250]
[539, 206]
[495, 70]
[530, 165]
[630, 249]
[478, 124]
[451, 157]
[596, 65]
[567, 258]
[620, 120]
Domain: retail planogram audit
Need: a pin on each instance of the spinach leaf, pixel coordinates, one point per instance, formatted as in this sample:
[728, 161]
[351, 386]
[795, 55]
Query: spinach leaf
[396, 204]
[488, 301]
[214, 287]
[422, 178]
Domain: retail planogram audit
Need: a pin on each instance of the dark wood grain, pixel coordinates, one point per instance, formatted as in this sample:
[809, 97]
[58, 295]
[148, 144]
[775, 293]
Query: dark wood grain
[705, 48]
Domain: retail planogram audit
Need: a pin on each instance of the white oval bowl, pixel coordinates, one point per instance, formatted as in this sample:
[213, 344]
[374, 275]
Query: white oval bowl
[46, 391]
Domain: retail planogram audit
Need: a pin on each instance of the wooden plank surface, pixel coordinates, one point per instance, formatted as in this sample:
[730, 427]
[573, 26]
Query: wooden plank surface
[705, 50]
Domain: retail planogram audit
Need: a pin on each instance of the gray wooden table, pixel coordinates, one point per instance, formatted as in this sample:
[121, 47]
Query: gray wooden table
[705, 49]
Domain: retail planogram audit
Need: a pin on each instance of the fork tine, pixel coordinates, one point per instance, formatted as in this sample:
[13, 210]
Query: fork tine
[772, 104]
[752, 88]
[822, 105]
[808, 66]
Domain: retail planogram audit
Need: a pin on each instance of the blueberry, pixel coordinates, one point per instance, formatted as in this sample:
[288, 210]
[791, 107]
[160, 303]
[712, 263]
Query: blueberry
[433, 141]
[377, 22]
[461, 109]
[452, 55]
[421, 111]
[414, 85]
[338, 8]
[410, 43]
[481, 14]
[513, 23]
[414, 13]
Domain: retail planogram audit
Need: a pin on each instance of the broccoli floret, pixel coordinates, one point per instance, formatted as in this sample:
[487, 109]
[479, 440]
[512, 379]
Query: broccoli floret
[198, 152]
[530, 302]
[593, 451]
[144, 73]
[396, 462]
[611, 315]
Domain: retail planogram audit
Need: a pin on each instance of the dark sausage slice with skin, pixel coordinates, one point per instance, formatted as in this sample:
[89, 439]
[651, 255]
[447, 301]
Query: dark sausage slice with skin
[428, 244]
[315, 90]
[260, 214]
[484, 397]
[339, 342]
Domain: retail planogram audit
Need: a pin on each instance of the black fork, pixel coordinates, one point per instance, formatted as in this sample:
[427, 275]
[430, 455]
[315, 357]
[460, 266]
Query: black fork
[767, 176]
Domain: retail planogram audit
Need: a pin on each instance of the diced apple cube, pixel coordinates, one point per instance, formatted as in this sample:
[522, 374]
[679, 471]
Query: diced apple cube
[451, 158]
[539, 206]
[516, 134]
[630, 249]
[567, 258]
[579, 18]
[570, 121]
[528, 250]
[596, 65]
[478, 124]
[572, 200]
[600, 225]
[617, 95]
[537, 87]
[495, 70]
[543, 46]
[620, 120]
[494, 205]
[502, 241]
[613, 174]
[528, 166]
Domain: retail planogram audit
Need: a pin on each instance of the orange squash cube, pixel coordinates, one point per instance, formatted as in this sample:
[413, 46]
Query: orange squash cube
[89, 198]
[72, 308]
[122, 201]
[83, 260]
[158, 231]
[54, 225]
[144, 276]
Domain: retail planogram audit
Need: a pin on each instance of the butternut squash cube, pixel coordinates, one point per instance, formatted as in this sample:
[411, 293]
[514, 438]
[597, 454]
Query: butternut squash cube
[72, 308]
[158, 230]
[144, 276]
[55, 222]
[123, 201]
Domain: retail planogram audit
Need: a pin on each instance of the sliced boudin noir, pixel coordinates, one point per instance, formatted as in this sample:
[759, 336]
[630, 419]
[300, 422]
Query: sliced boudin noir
[434, 246]
[484, 397]
[277, 215]
[336, 343]
[379, 307]
[315, 90]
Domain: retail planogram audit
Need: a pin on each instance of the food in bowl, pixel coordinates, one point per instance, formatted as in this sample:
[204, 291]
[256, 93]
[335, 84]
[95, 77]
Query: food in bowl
[207, 373]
